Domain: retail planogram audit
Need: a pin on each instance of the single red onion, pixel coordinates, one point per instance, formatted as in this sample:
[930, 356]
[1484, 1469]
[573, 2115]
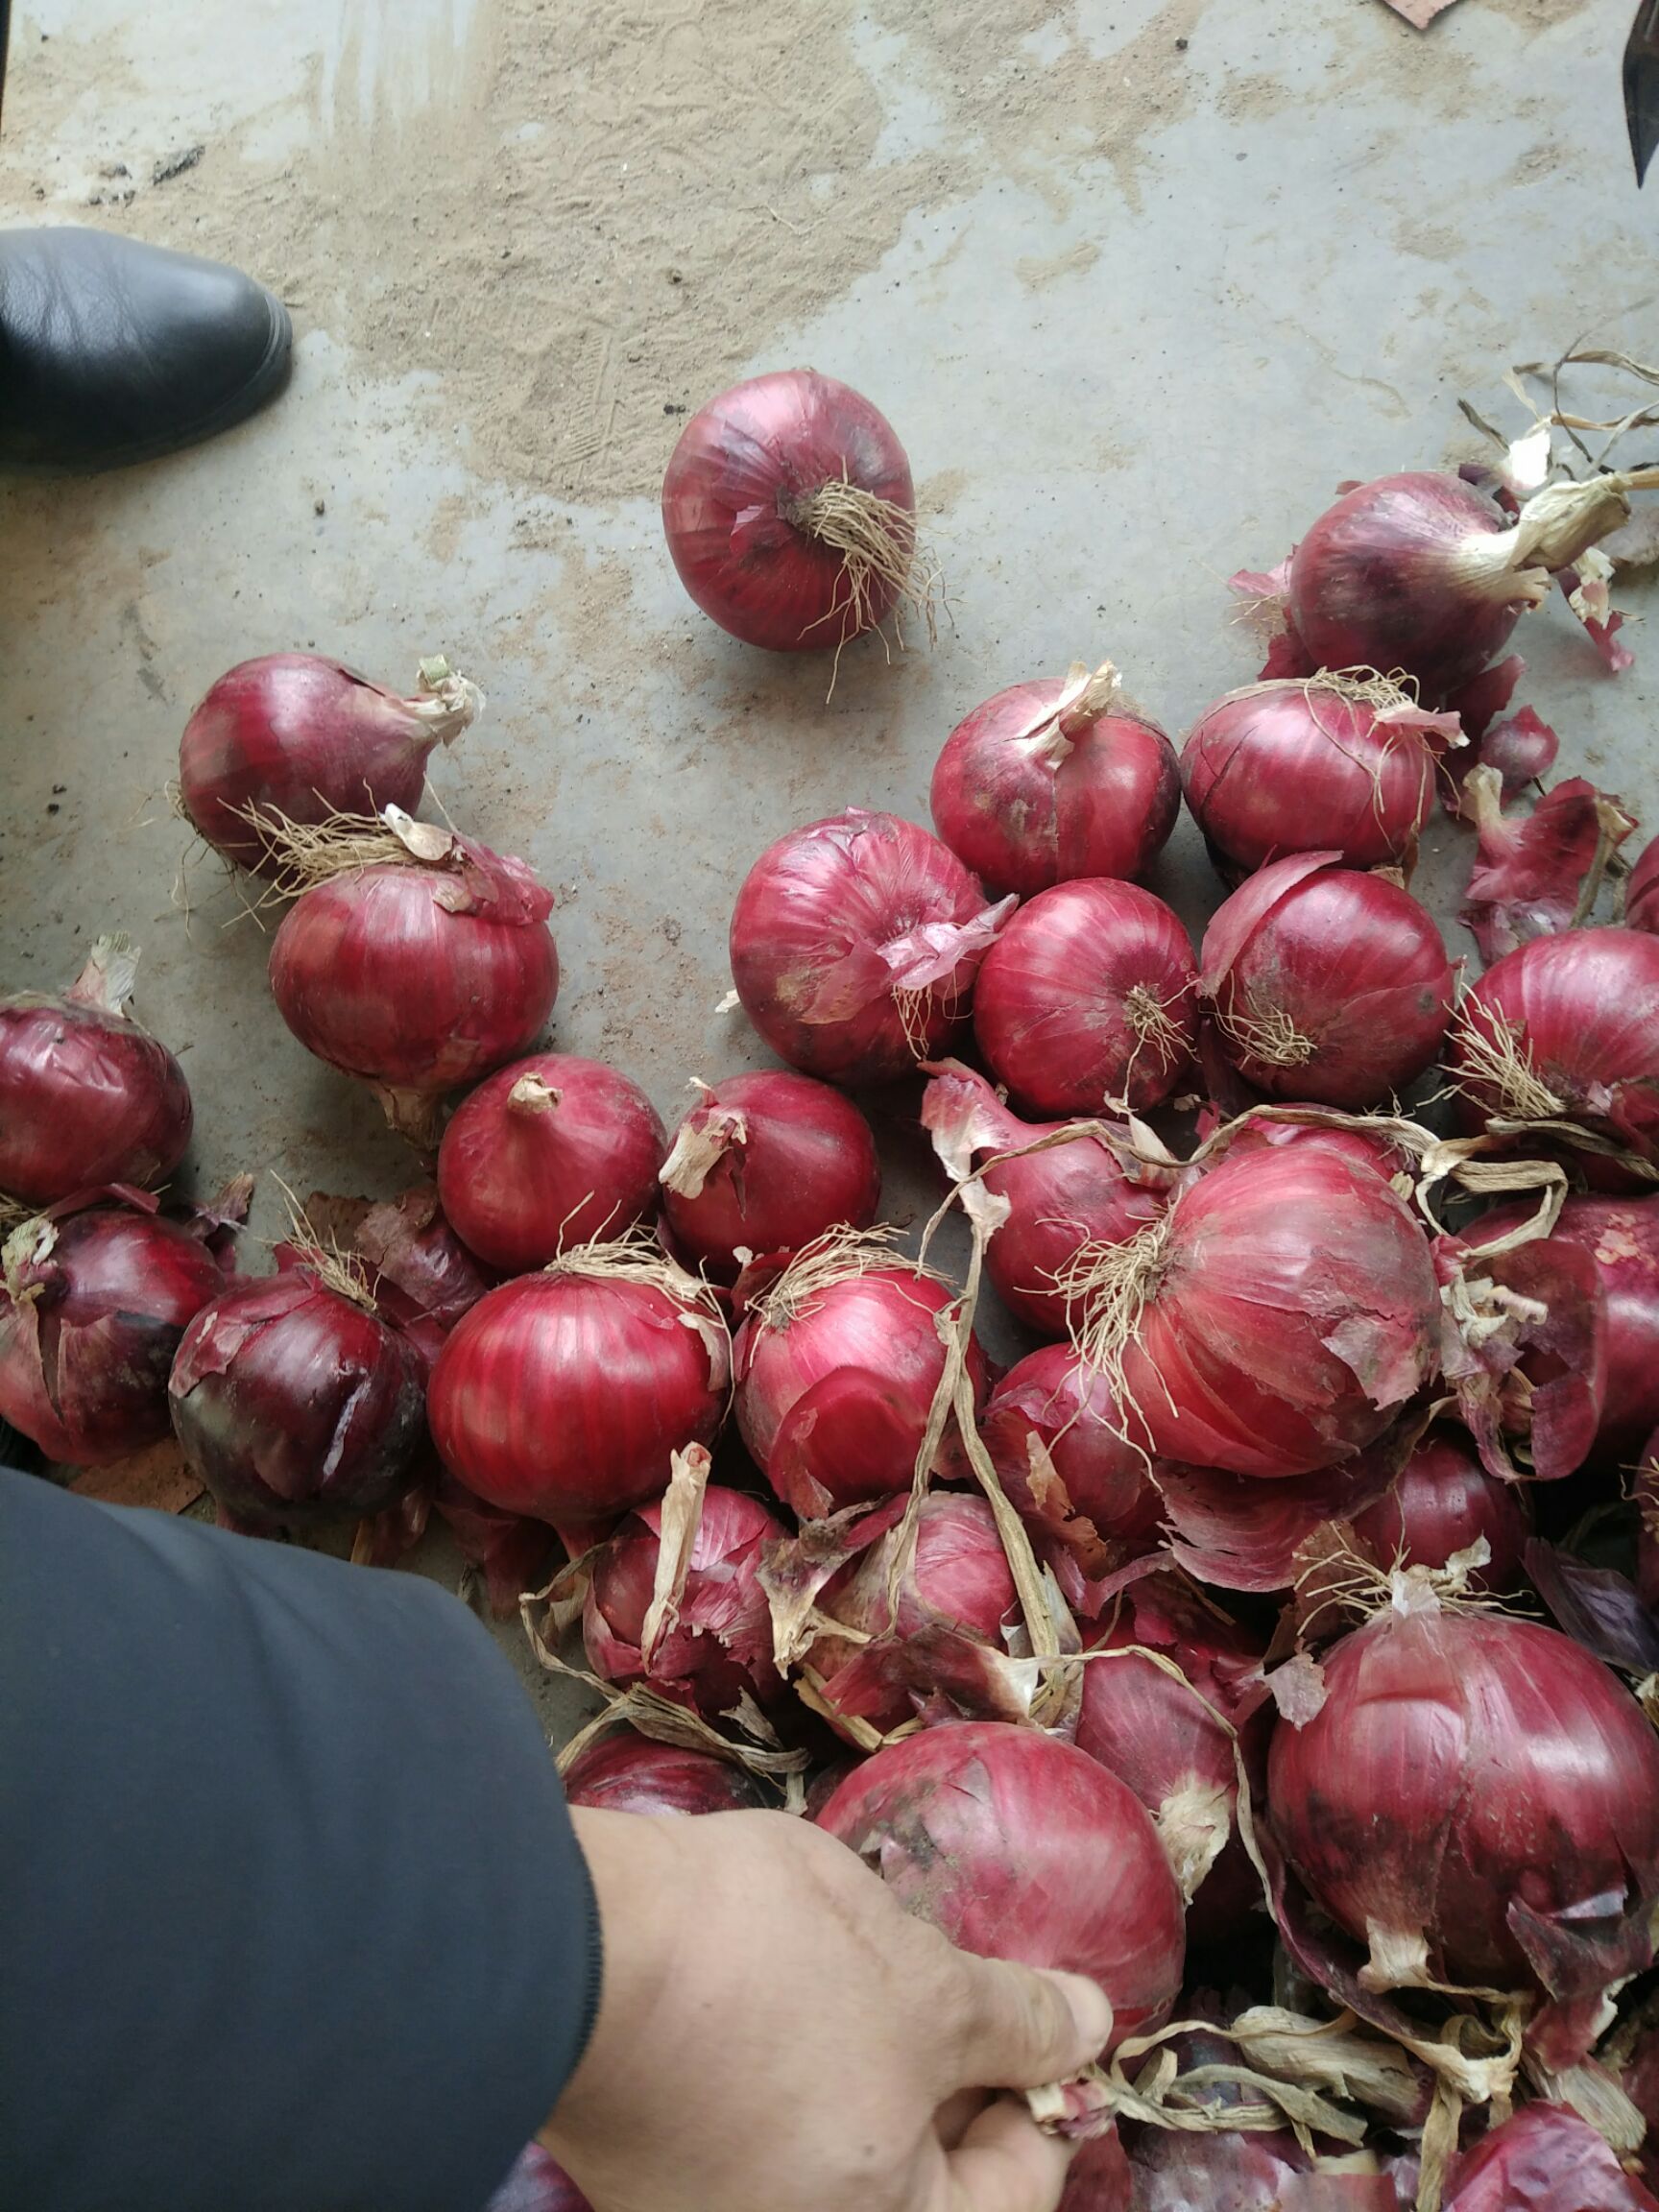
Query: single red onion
[791, 514]
[854, 946]
[1325, 984]
[92, 1307]
[766, 1163]
[1531, 871]
[1079, 1189]
[1326, 763]
[713, 1646]
[1272, 1321]
[86, 1098]
[538, 2184]
[625, 1773]
[837, 1364]
[292, 1398]
[1544, 2158]
[1642, 890]
[548, 1152]
[1088, 999]
[1567, 1029]
[1442, 1502]
[416, 961]
[1420, 573]
[1478, 1799]
[295, 738]
[1048, 781]
[1260, 1132]
[1019, 1846]
[423, 1277]
[564, 1395]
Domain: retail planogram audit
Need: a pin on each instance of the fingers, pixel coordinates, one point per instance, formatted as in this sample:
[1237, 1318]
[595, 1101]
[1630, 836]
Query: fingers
[1004, 2163]
[1020, 2026]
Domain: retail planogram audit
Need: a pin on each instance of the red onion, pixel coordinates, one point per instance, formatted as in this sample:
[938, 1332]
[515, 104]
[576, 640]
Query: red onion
[1442, 1502]
[1100, 2179]
[1019, 1846]
[548, 1152]
[91, 1310]
[1326, 763]
[1642, 890]
[422, 965]
[1532, 872]
[423, 1277]
[1071, 1192]
[1048, 781]
[855, 945]
[86, 1098]
[1420, 573]
[1544, 2158]
[790, 515]
[562, 1395]
[293, 1399]
[715, 1645]
[1326, 984]
[628, 1773]
[766, 1163]
[1478, 1799]
[1567, 1028]
[538, 2184]
[837, 1364]
[1366, 1147]
[1272, 1321]
[1088, 999]
[295, 737]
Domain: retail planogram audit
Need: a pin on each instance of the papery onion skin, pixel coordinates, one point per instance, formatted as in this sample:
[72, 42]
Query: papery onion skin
[1544, 2158]
[1292, 767]
[804, 1161]
[422, 1276]
[1327, 985]
[833, 922]
[1470, 1779]
[302, 735]
[86, 1098]
[1021, 821]
[1088, 998]
[562, 1396]
[1642, 890]
[720, 1648]
[1575, 1020]
[742, 461]
[549, 1152]
[293, 1401]
[83, 1363]
[628, 1773]
[1019, 1846]
[1069, 1409]
[1442, 1502]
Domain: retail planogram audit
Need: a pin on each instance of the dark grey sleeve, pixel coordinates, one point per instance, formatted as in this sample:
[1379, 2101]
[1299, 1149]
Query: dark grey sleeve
[292, 1918]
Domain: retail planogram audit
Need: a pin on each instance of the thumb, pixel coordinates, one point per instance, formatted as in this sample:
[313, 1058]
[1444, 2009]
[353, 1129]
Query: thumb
[1004, 2163]
[1023, 2026]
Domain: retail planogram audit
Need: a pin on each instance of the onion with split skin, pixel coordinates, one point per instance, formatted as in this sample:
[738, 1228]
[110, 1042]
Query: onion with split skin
[1050, 781]
[86, 1097]
[298, 737]
[625, 1773]
[1088, 1000]
[766, 1162]
[855, 945]
[551, 1151]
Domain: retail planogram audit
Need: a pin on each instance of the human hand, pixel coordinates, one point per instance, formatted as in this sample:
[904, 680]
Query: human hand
[776, 2034]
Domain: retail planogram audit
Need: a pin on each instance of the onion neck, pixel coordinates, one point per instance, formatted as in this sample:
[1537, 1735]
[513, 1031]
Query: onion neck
[447, 704]
[531, 1094]
[106, 983]
[702, 1141]
[1555, 527]
[1084, 695]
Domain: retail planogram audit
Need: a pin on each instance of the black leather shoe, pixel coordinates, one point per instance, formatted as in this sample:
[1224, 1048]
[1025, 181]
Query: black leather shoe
[113, 352]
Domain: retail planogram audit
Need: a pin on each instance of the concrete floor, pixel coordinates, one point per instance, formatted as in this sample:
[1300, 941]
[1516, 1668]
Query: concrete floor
[1235, 251]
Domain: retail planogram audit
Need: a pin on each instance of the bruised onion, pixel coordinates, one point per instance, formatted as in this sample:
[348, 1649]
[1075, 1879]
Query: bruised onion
[1544, 2158]
[416, 961]
[1326, 985]
[1567, 1029]
[292, 1398]
[628, 1773]
[564, 1395]
[1329, 763]
[1642, 890]
[1477, 1801]
[854, 946]
[1087, 1000]
[1021, 1846]
[91, 1311]
[1272, 1321]
[1049, 781]
[297, 737]
[551, 1151]
[766, 1163]
[790, 512]
[837, 1364]
[1442, 1502]
[86, 1098]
